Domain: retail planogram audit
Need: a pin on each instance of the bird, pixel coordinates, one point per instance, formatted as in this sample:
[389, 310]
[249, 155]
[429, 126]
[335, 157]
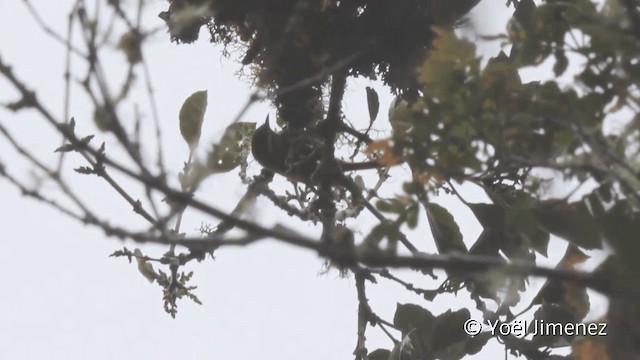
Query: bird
[297, 155]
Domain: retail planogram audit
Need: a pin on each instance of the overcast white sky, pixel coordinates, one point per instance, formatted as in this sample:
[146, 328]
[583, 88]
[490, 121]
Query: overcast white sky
[63, 298]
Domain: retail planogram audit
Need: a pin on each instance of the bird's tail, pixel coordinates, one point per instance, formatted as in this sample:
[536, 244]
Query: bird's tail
[356, 166]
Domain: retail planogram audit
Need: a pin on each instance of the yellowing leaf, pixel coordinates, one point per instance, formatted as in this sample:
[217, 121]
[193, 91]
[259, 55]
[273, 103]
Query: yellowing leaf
[145, 267]
[589, 349]
[387, 156]
[573, 257]
[576, 298]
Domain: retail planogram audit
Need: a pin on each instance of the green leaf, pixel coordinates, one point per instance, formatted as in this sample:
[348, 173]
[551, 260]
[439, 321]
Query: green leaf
[488, 243]
[373, 103]
[192, 116]
[446, 13]
[505, 225]
[394, 205]
[476, 343]
[449, 336]
[379, 354]
[489, 215]
[450, 63]
[524, 13]
[411, 317]
[573, 296]
[446, 232]
[412, 216]
[622, 226]
[561, 63]
[572, 222]
[527, 226]
[383, 230]
[233, 149]
[550, 314]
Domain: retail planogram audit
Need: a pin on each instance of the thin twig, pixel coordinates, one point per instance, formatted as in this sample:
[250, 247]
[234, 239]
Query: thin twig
[30, 99]
[363, 317]
[67, 81]
[48, 30]
[55, 175]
